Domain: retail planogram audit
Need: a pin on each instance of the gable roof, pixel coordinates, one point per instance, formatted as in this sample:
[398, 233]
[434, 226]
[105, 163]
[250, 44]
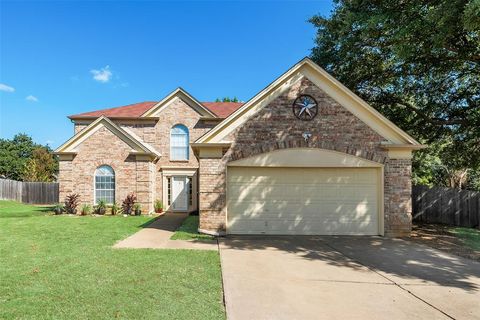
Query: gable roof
[332, 87]
[132, 140]
[186, 97]
[223, 109]
[133, 110]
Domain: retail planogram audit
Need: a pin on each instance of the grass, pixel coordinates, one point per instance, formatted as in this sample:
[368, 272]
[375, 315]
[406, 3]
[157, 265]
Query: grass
[63, 267]
[469, 236]
[189, 231]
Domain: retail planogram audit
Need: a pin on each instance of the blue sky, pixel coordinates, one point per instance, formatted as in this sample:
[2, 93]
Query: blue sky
[62, 58]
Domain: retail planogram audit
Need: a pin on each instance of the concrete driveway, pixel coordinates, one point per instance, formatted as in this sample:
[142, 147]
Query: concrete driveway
[345, 278]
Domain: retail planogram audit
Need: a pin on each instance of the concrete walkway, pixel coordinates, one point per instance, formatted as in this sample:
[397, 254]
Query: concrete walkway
[345, 278]
[157, 236]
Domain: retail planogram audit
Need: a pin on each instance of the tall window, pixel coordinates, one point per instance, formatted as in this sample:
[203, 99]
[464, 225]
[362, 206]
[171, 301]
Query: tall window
[105, 184]
[179, 142]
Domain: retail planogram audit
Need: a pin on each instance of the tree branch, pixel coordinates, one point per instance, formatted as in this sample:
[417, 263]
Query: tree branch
[423, 115]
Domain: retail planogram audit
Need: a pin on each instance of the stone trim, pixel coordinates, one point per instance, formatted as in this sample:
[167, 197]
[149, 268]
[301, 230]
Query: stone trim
[301, 143]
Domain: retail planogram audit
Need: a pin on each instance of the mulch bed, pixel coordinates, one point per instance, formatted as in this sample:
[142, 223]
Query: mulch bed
[440, 237]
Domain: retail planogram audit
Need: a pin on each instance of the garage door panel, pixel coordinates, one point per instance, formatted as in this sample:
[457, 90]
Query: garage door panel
[302, 200]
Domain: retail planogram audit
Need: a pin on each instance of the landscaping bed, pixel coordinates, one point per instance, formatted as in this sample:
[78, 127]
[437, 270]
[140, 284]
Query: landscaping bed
[464, 242]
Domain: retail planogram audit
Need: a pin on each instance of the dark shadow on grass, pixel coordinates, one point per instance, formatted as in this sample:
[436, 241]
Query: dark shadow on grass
[395, 257]
[169, 221]
[24, 211]
[148, 223]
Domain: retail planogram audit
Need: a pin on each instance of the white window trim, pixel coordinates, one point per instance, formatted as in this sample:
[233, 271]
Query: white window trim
[95, 185]
[187, 132]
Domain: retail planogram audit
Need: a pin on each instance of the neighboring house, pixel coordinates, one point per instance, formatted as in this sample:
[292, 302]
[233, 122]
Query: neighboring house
[303, 156]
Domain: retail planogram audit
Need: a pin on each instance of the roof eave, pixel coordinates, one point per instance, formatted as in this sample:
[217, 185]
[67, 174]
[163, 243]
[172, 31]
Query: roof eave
[211, 145]
[391, 146]
[114, 118]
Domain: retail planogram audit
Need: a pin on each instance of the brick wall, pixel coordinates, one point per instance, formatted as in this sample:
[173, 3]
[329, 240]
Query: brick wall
[334, 128]
[398, 197]
[140, 176]
[105, 148]
[212, 195]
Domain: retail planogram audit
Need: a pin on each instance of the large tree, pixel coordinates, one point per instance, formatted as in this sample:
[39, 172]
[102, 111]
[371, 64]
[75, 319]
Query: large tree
[42, 166]
[417, 62]
[21, 158]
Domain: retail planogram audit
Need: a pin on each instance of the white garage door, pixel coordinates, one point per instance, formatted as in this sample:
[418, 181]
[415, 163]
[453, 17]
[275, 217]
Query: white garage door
[338, 201]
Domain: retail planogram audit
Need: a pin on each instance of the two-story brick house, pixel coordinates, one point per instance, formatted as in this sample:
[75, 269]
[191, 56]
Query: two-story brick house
[303, 156]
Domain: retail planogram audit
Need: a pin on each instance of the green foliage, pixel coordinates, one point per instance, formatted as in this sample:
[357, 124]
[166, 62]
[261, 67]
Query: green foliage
[41, 166]
[418, 63]
[434, 166]
[158, 205]
[15, 155]
[115, 208]
[86, 209]
[58, 208]
[227, 99]
[137, 208]
[101, 207]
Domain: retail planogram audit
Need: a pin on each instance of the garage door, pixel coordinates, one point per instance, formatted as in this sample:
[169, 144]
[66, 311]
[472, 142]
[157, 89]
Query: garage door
[338, 201]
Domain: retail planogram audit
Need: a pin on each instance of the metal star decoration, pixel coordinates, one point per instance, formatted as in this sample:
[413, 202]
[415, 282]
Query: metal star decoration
[305, 107]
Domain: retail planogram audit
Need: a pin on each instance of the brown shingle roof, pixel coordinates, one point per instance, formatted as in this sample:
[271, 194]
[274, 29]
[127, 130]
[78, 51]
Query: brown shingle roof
[135, 110]
[222, 109]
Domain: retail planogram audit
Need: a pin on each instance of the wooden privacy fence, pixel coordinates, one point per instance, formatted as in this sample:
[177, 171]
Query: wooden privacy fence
[29, 192]
[444, 205]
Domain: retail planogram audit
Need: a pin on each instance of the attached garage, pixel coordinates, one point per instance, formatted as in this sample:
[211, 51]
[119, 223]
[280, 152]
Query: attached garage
[305, 156]
[304, 192]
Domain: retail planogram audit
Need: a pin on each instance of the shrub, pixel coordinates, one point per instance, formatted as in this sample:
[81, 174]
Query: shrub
[158, 206]
[101, 207]
[58, 208]
[138, 209]
[71, 203]
[128, 203]
[86, 209]
[115, 209]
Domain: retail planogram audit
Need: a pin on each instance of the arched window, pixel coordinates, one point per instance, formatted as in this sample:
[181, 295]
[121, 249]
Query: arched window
[179, 142]
[105, 184]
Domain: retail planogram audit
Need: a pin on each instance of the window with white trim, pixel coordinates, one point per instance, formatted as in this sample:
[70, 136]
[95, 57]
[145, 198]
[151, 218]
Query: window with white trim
[105, 184]
[179, 142]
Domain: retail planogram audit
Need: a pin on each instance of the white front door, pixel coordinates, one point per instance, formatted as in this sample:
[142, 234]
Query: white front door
[180, 193]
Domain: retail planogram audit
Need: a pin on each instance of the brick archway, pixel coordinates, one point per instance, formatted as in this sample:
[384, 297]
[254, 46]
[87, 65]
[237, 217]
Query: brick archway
[364, 153]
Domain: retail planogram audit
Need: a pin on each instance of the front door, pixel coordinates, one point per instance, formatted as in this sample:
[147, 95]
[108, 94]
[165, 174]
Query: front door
[180, 193]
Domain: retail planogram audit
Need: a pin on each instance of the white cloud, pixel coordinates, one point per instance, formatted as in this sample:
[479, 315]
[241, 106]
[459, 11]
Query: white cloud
[4, 87]
[31, 98]
[103, 75]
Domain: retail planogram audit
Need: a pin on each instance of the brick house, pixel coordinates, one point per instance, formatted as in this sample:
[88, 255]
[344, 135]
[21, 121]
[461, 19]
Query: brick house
[303, 156]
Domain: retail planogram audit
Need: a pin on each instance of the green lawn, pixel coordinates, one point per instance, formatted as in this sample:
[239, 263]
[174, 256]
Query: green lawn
[469, 236]
[188, 231]
[63, 267]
